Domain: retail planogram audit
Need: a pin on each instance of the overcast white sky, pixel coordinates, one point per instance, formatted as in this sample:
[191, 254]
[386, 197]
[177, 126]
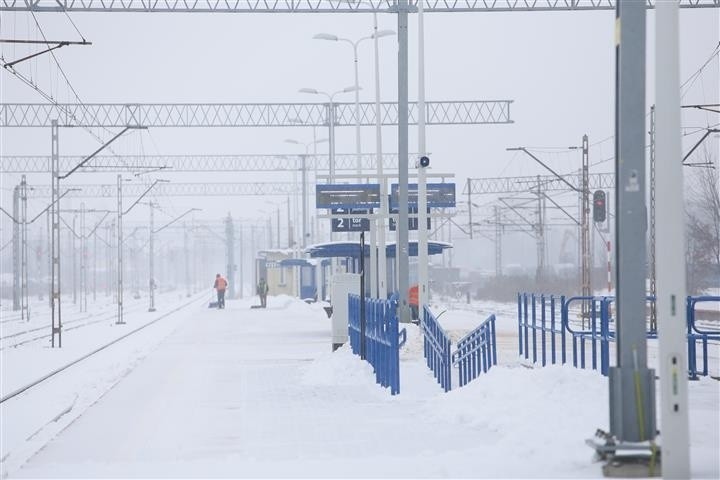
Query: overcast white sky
[556, 66]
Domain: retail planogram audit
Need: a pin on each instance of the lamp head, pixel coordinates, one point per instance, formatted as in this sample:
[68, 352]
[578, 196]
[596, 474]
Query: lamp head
[308, 90]
[383, 33]
[325, 36]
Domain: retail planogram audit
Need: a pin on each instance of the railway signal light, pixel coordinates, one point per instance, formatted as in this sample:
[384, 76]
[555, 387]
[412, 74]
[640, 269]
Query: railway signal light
[599, 206]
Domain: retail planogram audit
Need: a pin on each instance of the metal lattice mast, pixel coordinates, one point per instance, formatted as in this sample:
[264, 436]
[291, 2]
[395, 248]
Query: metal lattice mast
[120, 287]
[186, 254]
[55, 310]
[95, 265]
[83, 261]
[653, 277]
[230, 254]
[498, 243]
[73, 247]
[469, 202]
[586, 267]
[151, 257]
[540, 234]
[24, 295]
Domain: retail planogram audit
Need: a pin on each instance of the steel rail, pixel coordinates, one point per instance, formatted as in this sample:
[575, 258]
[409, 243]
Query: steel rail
[97, 350]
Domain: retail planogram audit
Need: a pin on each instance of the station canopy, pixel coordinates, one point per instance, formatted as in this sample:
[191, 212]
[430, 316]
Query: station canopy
[352, 249]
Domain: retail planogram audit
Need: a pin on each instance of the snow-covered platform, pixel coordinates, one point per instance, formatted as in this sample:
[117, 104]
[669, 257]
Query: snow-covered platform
[258, 393]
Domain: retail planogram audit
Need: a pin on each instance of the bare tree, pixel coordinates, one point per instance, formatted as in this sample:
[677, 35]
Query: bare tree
[703, 227]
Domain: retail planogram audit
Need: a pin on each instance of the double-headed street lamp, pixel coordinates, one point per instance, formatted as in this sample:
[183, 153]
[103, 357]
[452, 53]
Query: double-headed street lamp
[331, 119]
[375, 36]
[303, 169]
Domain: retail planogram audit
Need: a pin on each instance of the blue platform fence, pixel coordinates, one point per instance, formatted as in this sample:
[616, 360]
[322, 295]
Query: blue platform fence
[382, 338]
[476, 352]
[545, 328]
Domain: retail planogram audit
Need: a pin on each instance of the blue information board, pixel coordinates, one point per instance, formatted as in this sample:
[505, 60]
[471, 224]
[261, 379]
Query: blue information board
[439, 195]
[361, 195]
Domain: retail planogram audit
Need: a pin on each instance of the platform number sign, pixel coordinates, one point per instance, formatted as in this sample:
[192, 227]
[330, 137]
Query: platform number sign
[350, 224]
[412, 221]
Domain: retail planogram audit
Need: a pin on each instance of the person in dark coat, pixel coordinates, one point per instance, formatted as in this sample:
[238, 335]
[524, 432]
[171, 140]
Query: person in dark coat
[262, 290]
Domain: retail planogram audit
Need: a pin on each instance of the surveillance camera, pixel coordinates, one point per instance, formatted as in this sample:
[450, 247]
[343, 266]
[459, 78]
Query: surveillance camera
[424, 162]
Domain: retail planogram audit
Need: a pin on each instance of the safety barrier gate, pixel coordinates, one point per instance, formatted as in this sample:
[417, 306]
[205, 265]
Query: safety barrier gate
[549, 316]
[436, 349]
[476, 352]
[381, 342]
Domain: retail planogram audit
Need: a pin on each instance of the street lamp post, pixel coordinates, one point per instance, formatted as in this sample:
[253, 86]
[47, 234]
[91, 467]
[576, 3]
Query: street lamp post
[331, 120]
[376, 35]
[303, 168]
[377, 228]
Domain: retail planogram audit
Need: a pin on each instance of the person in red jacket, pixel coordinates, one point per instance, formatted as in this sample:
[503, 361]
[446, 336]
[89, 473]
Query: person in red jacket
[220, 285]
[413, 301]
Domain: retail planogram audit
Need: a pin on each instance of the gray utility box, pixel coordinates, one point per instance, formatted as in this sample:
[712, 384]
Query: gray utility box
[343, 284]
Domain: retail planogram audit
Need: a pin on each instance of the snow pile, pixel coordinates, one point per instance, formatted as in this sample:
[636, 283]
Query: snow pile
[338, 368]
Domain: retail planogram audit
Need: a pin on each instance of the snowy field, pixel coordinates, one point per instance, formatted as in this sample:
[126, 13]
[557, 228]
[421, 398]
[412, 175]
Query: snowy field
[258, 393]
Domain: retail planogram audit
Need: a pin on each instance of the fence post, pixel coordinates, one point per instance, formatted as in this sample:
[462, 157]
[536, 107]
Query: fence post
[604, 336]
[593, 326]
[494, 340]
[520, 336]
[562, 328]
[534, 332]
[552, 328]
[542, 323]
[525, 319]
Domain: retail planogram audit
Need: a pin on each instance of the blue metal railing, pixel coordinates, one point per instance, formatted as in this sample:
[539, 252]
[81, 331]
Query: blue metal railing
[476, 352]
[598, 334]
[696, 334]
[382, 339]
[436, 349]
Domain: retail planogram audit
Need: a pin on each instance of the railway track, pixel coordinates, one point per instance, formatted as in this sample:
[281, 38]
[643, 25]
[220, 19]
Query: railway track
[95, 351]
[105, 316]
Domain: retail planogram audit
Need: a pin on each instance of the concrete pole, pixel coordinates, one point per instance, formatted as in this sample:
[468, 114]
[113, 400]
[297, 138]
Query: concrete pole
[423, 291]
[303, 243]
[241, 280]
[83, 260]
[671, 312]
[632, 384]
[402, 226]
[151, 257]
[358, 145]
[381, 260]
[16, 248]
[186, 253]
[24, 293]
[73, 247]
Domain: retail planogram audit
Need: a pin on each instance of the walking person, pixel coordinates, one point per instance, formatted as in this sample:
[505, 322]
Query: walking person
[262, 290]
[220, 285]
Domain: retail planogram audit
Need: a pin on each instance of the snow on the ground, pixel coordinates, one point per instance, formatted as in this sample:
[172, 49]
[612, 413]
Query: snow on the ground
[258, 393]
